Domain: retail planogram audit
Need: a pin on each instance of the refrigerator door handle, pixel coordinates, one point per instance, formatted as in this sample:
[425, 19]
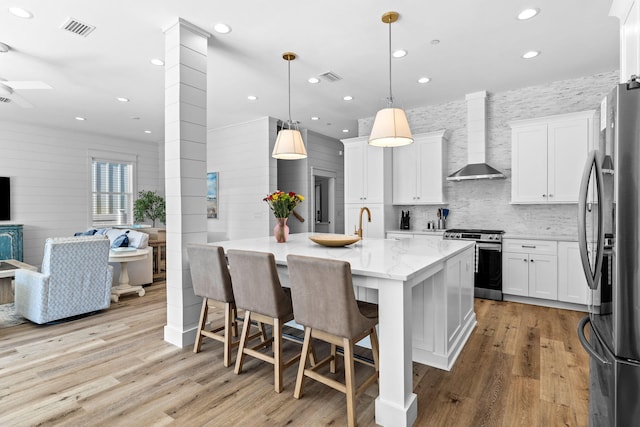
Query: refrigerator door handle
[586, 344]
[594, 161]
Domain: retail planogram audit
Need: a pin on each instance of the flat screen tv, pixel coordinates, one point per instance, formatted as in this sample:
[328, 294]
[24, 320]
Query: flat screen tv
[5, 198]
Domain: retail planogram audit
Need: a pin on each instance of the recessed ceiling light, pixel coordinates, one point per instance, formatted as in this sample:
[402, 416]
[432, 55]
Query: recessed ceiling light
[222, 28]
[82, 119]
[345, 130]
[158, 62]
[252, 98]
[400, 53]
[21, 13]
[531, 54]
[147, 131]
[313, 80]
[135, 118]
[4, 48]
[315, 118]
[435, 41]
[348, 98]
[121, 99]
[528, 14]
[424, 80]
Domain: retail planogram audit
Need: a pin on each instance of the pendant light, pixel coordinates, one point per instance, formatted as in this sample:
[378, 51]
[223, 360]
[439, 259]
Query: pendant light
[289, 144]
[390, 127]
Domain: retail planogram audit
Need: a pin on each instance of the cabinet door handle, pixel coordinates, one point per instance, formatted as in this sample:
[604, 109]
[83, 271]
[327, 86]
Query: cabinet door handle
[531, 260]
[544, 195]
[524, 259]
[550, 195]
[529, 246]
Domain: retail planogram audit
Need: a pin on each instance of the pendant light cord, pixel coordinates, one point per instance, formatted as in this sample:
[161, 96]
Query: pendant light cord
[390, 90]
[289, 81]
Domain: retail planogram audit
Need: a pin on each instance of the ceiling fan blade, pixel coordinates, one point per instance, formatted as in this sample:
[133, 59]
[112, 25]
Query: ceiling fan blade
[19, 85]
[21, 101]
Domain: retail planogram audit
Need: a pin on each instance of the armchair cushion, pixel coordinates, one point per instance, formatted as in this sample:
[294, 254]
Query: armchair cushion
[75, 279]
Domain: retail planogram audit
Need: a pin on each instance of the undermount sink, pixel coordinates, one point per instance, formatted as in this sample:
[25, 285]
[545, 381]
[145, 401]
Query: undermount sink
[334, 240]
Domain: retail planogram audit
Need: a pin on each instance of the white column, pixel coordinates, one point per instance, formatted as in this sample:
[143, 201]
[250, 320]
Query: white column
[185, 171]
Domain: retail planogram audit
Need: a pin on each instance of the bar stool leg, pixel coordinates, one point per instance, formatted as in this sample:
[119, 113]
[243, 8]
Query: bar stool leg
[243, 342]
[303, 362]
[334, 359]
[349, 374]
[203, 321]
[277, 355]
[228, 324]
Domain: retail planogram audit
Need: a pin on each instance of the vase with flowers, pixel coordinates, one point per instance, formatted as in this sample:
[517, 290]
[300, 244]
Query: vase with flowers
[282, 204]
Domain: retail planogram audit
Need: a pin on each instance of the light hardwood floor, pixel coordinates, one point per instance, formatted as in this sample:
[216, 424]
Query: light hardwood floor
[523, 366]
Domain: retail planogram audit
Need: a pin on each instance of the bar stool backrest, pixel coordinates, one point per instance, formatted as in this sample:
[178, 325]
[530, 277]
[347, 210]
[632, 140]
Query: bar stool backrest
[256, 283]
[323, 296]
[209, 272]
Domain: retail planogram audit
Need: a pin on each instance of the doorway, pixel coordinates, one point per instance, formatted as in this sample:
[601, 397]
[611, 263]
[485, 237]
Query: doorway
[323, 203]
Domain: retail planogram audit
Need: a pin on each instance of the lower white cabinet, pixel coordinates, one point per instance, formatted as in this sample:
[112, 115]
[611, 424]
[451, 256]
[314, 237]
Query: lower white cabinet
[572, 284]
[530, 268]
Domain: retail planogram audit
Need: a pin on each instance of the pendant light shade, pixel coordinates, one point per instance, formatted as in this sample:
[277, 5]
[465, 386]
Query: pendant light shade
[289, 143]
[390, 127]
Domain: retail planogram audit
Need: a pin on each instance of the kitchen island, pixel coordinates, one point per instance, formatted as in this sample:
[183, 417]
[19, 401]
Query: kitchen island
[424, 290]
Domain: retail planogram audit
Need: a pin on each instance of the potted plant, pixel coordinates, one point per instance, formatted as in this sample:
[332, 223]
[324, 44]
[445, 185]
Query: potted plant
[149, 205]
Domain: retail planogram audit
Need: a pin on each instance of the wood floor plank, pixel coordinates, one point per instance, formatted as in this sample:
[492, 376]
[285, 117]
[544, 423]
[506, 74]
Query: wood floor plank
[521, 366]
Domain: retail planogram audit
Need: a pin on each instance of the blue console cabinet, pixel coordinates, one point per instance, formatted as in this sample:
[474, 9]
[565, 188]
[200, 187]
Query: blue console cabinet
[11, 241]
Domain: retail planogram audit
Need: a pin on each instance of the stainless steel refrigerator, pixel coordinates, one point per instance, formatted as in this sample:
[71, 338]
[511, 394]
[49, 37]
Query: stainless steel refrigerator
[609, 238]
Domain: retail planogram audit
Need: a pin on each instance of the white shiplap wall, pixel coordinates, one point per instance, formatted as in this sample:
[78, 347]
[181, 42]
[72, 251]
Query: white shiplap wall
[242, 155]
[50, 181]
[485, 203]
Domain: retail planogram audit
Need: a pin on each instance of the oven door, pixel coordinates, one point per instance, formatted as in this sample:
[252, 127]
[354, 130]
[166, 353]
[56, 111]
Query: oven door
[488, 274]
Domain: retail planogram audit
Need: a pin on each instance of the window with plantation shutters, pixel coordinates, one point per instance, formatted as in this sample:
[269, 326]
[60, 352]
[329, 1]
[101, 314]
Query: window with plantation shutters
[111, 192]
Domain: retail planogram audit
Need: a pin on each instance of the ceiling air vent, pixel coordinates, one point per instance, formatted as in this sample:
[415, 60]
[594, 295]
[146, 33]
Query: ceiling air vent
[76, 27]
[330, 76]
[5, 100]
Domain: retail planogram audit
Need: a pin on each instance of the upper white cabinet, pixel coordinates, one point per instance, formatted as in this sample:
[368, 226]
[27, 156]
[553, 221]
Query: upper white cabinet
[418, 170]
[628, 12]
[367, 182]
[548, 156]
[365, 167]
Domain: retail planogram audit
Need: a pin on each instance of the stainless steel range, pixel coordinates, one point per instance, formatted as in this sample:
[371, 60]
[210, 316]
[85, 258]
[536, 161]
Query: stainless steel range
[488, 264]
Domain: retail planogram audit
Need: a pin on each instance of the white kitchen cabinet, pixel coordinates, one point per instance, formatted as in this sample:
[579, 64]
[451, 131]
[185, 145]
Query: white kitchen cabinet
[628, 12]
[530, 268]
[547, 157]
[572, 284]
[367, 182]
[418, 170]
[367, 172]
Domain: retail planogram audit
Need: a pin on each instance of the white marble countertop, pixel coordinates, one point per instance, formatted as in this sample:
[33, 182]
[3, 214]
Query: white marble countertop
[421, 232]
[385, 258]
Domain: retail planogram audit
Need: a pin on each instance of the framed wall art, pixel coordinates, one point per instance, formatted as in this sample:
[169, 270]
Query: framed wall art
[212, 195]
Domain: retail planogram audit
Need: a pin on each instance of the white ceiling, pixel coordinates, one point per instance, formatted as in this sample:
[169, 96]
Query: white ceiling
[480, 48]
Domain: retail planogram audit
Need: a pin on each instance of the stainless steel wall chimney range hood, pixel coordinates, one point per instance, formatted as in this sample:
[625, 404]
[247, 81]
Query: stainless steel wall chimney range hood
[476, 167]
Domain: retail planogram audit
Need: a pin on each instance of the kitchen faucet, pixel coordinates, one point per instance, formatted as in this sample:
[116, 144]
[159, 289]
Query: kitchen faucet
[359, 230]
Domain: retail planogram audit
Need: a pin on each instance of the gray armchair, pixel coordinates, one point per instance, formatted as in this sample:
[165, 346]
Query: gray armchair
[75, 279]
